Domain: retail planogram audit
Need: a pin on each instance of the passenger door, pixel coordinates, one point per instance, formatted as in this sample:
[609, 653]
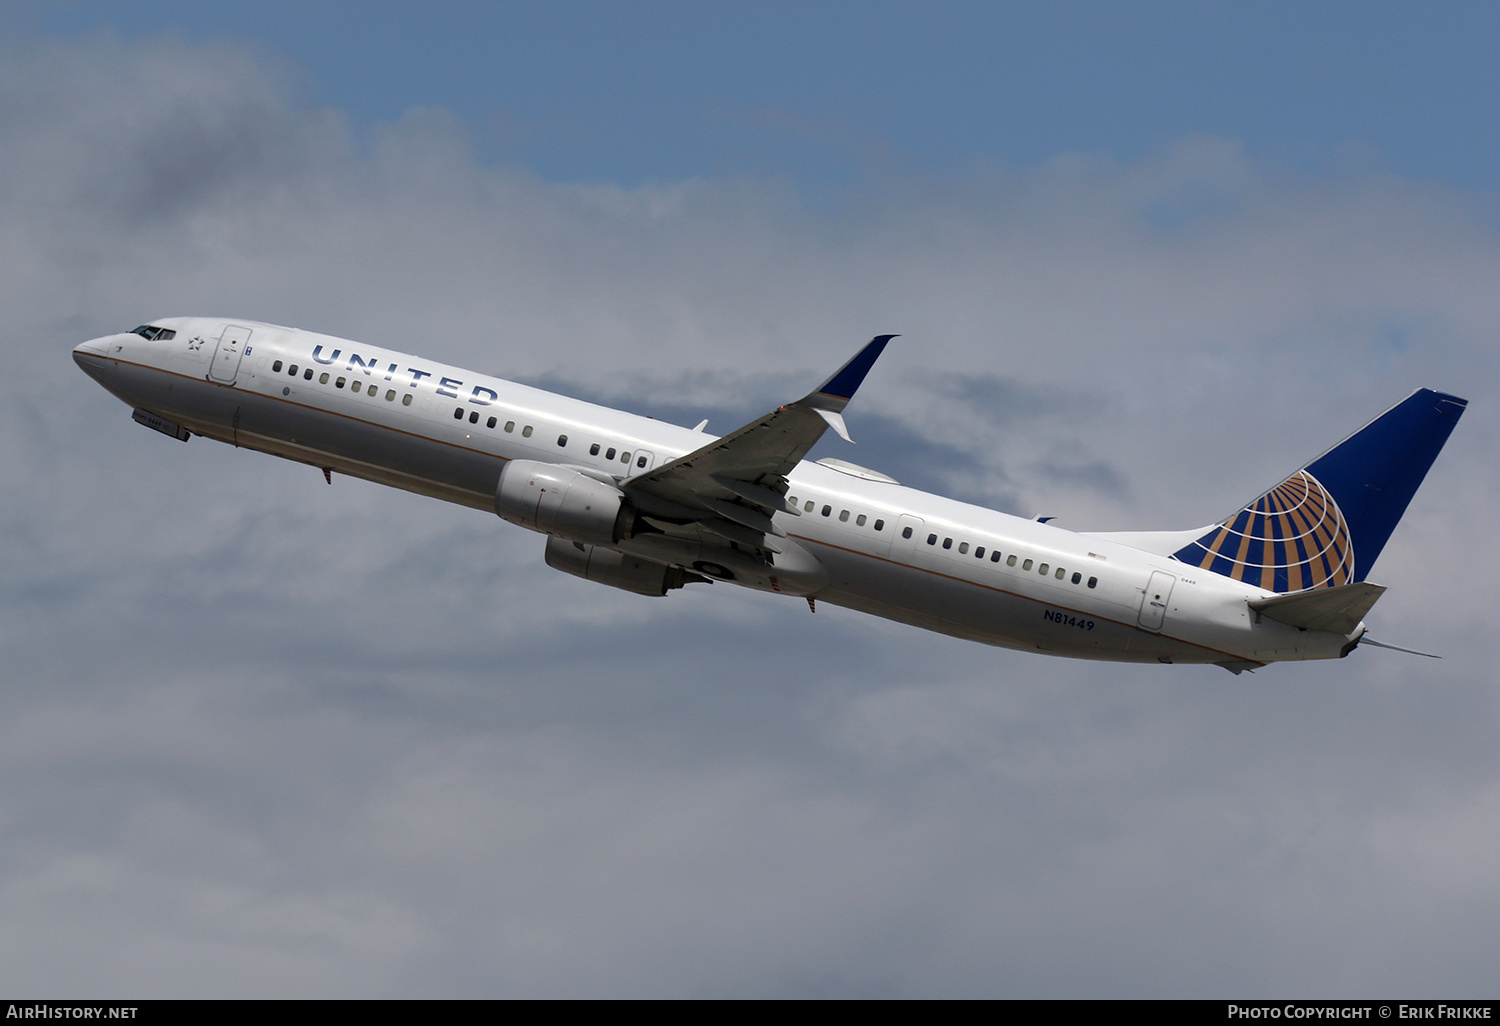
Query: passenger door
[1154, 601]
[231, 347]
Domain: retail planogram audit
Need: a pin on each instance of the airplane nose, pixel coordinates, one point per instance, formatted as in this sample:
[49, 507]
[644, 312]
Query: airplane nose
[93, 347]
[90, 357]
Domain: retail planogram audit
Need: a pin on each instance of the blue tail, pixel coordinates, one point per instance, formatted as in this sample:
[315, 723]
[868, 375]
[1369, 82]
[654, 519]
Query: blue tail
[1326, 524]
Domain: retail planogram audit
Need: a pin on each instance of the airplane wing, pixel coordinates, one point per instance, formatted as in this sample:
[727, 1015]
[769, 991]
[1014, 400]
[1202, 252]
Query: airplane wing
[731, 487]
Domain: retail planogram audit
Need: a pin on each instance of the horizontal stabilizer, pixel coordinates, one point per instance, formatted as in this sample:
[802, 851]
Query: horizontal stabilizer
[1338, 609]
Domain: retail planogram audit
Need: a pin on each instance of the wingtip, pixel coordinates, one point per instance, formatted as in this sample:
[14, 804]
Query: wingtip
[847, 379]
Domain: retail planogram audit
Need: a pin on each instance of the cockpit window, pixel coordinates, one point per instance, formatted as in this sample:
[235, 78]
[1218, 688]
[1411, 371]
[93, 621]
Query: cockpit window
[152, 333]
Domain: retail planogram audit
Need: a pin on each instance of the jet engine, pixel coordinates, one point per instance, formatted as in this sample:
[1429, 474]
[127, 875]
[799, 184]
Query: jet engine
[562, 501]
[614, 568]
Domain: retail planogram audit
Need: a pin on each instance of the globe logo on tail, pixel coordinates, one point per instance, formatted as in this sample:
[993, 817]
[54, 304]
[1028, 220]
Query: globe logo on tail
[1292, 538]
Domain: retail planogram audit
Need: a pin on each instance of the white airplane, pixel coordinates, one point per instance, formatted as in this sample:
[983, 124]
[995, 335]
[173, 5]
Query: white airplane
[649, 507]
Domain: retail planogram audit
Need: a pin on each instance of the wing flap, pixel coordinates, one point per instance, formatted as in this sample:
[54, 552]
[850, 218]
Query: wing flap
[751, 518]
[758, 495]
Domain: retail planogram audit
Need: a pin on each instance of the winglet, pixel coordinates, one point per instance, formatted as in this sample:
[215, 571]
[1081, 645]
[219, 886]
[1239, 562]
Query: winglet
[836, 392]
[835, 421]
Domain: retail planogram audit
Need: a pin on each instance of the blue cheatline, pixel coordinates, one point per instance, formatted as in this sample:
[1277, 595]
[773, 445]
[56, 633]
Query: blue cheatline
[1327, 523]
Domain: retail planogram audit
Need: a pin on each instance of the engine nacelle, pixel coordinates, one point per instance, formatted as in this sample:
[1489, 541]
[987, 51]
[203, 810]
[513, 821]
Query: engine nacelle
[561, 501]
[614, 568]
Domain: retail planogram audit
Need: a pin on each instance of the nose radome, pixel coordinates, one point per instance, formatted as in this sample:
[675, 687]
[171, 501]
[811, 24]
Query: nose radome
[93, 347]
[92, 356]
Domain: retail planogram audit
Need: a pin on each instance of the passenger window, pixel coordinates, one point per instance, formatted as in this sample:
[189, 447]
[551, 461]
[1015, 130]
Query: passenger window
[276, 367]
[390, 395]
[1041, 569]
[947, 543]
[323, 378]
[510, 425]
[1027, 564]
[489, 423]
[808, 508]
[458, 414]
[995, 556]
[1012, 560]
[963, 548]
[292, 370]
[307, 374]
[406, 401]
[1077, 577]
[609, 453]
[932, 539]
[843, 516]
[640, 461]
[880, 526]
[827, 510]
[979, 552]
[1060, 573]
[906, 532]
[1093, 581]
[473, 416]
[562, 441]
[792, 499]
[593, 449]
[625, 457]
[526, 431]
[339, 383]
[859, 521]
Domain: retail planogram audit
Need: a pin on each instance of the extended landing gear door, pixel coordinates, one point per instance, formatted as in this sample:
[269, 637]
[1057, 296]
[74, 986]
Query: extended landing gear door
[227, 356]
[161, 424]
[1154, 601]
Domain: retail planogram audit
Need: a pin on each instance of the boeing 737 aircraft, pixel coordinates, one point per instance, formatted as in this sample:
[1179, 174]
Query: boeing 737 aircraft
[637, 504]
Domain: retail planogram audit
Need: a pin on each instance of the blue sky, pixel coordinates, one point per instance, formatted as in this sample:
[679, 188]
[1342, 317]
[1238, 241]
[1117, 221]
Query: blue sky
[264, 736]
[829, 93]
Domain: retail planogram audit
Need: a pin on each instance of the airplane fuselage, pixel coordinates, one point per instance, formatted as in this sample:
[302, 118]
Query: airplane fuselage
[874, 545]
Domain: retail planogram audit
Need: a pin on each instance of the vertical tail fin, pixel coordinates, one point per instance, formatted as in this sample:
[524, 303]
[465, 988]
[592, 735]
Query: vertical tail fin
[1326, 524]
